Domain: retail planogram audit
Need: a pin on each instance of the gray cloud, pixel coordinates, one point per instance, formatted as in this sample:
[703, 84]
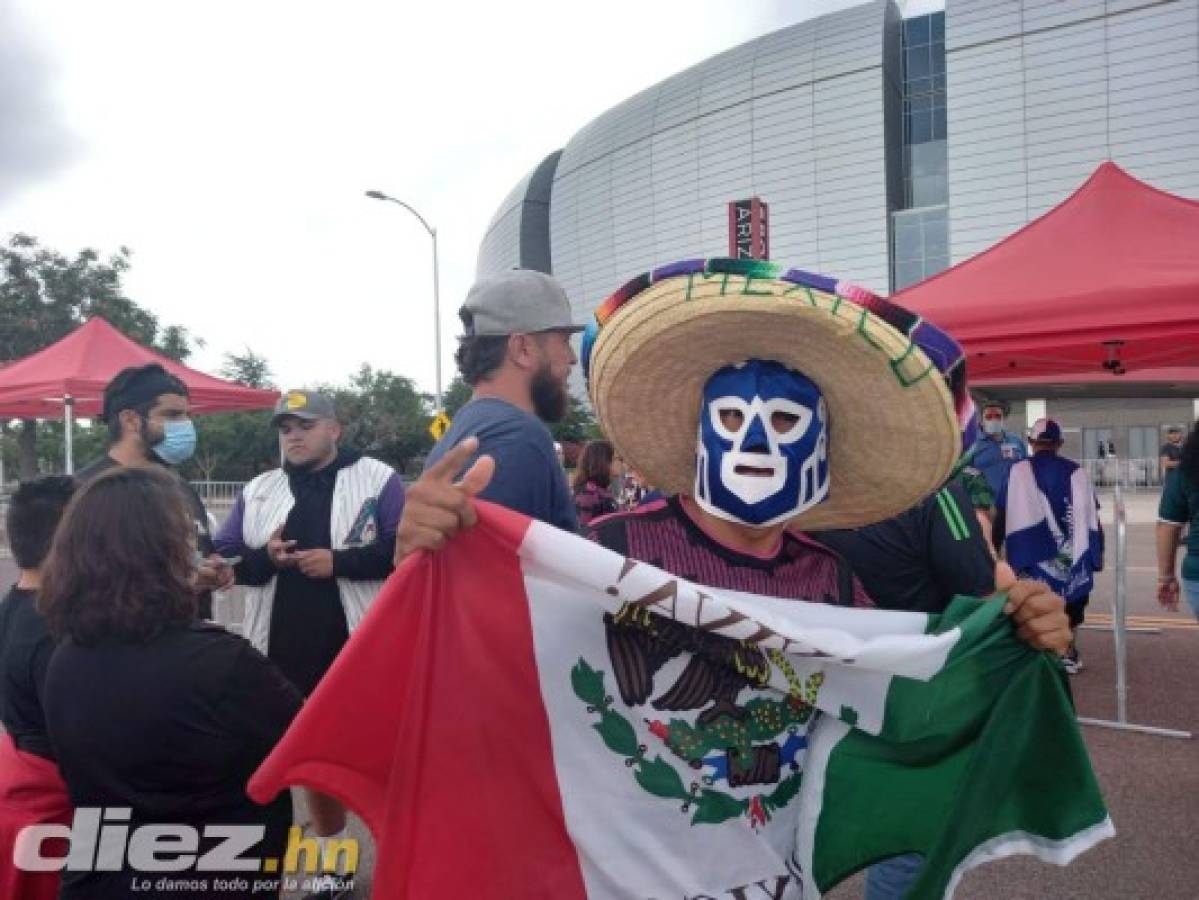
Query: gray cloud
[35, 141]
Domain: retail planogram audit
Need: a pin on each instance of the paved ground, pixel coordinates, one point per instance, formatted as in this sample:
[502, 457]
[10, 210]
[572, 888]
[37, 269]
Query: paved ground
[1151, 783]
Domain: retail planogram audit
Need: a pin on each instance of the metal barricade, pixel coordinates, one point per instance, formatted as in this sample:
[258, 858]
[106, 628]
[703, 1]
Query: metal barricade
[1120, 632]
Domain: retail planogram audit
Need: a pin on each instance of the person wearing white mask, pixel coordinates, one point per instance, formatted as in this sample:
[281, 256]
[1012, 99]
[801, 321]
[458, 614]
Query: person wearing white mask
[996, 450]
[147, 410]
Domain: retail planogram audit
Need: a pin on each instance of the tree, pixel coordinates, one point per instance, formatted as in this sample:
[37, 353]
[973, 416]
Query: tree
[456, 396]
[385, 416]
[248, 368]
[234, 446]
[44, 295]
[578, 425]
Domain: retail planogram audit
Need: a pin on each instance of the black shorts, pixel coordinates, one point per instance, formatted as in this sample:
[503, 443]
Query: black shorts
[1077, 611]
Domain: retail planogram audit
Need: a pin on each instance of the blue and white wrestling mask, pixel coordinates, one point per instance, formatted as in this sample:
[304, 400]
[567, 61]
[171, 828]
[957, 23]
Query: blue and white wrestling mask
[762, 456]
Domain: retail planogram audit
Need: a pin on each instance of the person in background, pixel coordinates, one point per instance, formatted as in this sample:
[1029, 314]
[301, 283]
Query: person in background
[593, 480]
[147, 708]
[316, 539]
[515, 353]
[147, 410]
[1178, 508]
[996, 450]
[1171, 452]
[31, 790]
[1051, 517]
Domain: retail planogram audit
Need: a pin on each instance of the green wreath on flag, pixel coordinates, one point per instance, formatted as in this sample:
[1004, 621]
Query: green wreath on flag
[766, 719]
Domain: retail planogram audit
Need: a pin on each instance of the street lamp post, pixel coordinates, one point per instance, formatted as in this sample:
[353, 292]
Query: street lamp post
[379, 195]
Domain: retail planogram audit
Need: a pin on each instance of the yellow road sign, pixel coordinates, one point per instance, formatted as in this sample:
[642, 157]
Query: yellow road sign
[439, 425]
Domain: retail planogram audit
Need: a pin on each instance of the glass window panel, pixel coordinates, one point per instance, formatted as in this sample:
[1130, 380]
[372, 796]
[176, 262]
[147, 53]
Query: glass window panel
[937, 26]
[938, 59]
[917, 31]
[908, 273]
[939, 84]
[935, 264]
[917, 86]
[936, 235]
[922, 103]
[929, 190]
[908, 244]
[937, 124]
[918, 62]
[926, 159]
[922, 128]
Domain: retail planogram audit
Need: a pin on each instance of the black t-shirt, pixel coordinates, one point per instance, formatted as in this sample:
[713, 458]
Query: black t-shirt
[25, 650]
[204, 543]
[921, 559]
[1172, 452]
[172, 729]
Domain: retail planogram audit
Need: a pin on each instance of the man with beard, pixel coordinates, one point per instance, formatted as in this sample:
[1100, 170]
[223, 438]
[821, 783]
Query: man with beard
[147, 412]
[516, 354]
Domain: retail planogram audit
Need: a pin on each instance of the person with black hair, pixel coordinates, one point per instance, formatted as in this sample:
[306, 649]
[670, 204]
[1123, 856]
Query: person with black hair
[1178, 508]
[147, 411]
[517, 356]
[31, 790]
[25, 644]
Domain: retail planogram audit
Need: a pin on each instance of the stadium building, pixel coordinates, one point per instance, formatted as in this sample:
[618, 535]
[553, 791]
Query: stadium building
[880, 149]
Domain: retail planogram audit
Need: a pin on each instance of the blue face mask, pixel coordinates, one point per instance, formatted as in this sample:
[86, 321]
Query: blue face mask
[178, 442]
[762, 455]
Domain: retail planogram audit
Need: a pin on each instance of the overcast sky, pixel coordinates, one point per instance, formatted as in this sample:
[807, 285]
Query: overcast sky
[228, 144]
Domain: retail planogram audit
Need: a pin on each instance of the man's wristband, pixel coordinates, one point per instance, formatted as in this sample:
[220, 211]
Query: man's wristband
[1165, 579]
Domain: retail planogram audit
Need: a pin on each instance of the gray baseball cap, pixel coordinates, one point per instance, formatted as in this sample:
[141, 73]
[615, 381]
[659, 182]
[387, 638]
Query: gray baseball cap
[303, 405]
[517, 301]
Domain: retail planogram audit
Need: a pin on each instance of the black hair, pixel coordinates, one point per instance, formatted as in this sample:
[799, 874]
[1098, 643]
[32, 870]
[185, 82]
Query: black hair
[137, 388]
[479, 355]
[1188, 463]
[33, 515]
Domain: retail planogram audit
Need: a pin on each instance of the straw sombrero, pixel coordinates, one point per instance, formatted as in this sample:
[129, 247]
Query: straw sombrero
[894, 432]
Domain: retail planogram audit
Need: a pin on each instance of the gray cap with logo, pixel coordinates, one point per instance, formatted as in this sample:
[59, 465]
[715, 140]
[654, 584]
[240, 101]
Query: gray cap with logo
[520, 301]
[303, 405]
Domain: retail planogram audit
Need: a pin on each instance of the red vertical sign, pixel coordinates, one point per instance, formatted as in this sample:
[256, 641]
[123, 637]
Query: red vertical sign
[749, 229]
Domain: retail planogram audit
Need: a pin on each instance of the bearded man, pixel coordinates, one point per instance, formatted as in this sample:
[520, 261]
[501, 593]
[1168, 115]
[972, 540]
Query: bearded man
[515, 352]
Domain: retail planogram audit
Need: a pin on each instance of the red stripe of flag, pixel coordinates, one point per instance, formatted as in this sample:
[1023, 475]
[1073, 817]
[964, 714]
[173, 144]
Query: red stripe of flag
[431, 726]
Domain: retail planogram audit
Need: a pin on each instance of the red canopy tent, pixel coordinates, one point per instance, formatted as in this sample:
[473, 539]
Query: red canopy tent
[67, 378]
[1108, 281]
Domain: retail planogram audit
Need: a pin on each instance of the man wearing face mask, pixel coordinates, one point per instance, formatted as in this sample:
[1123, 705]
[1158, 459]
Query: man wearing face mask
[996, 450]
[147, 410]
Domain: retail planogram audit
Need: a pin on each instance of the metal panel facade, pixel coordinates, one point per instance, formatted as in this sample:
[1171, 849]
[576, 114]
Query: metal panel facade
[1040, 93]
[795, 117]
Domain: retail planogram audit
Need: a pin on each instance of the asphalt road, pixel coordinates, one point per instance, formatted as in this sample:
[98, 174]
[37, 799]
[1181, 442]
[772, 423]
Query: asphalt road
[1151, 783]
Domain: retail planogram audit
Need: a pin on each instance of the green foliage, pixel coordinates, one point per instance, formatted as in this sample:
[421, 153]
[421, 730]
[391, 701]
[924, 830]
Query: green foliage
[578, 425]
[386, 417]
[44, 295]
[233, 446]
[456, 396]
[248, 368]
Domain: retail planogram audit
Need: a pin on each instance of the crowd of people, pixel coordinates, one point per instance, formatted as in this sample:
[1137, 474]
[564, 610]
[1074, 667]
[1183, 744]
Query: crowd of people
[740, 452]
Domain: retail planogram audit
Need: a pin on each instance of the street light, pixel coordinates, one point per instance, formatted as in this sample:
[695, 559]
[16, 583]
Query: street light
[379, 195]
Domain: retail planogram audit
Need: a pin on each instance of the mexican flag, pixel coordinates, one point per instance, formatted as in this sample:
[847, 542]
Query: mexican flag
[527, 715]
